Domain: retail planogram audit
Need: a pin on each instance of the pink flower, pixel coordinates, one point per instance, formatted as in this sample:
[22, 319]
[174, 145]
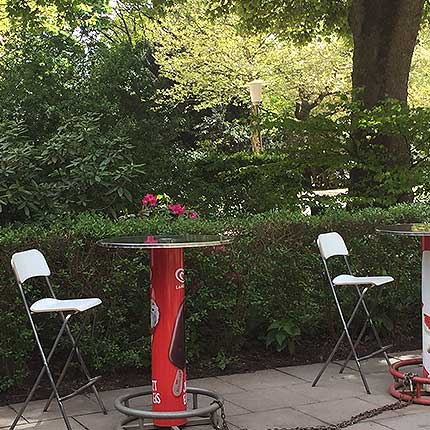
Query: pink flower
[149, 199]
[177, 209]
[192, 215]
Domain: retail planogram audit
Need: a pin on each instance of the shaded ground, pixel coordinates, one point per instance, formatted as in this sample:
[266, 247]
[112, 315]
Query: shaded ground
[253, 357]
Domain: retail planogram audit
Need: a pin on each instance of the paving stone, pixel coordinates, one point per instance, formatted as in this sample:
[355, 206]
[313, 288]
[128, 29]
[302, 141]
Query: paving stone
[261, 379]
[368, 426]
[407, 422]
[230, 408]
[76, 406]
[286, 417]
[51, 425]
[101, 422]
[336, 410]
[379, 382]
[309, 371]
[329, 377]
[218, 385]
[405, 355]
[329, 391]
[415, 409]
[7, 415]
[378, 399]
[264, 400]
[109, 397]
[373, 365]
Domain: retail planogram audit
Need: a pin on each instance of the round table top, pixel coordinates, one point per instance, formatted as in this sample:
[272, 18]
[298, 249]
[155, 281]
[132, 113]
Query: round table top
[164, 241]
[406, 229]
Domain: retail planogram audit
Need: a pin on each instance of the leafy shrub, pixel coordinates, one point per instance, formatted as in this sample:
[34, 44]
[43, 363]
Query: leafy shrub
[282, 334]
[272, 271]
[219, 183]
[77, 168]
[342, 138]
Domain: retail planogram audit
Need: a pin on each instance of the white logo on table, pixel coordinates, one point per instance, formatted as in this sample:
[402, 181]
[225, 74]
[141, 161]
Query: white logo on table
[179, 275]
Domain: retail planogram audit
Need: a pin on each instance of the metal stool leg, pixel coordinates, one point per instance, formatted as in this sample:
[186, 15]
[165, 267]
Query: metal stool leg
[369, 316]
[86, 372]
[375, 332]
[345, 332]
[369, 321]
[357, 342]
[59, 380]
[44, 369]
[75, 348]
[67, 363]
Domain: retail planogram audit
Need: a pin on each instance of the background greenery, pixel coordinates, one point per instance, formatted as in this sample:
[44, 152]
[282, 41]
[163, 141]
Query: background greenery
[99, 105]
[268, 286]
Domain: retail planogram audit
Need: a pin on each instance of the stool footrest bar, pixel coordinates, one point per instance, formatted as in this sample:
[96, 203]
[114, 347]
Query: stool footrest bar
[142, 419]
[89, 384]
[372, 354]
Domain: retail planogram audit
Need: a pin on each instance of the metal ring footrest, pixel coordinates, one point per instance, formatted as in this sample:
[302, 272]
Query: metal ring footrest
[417, 395]
[136, 417]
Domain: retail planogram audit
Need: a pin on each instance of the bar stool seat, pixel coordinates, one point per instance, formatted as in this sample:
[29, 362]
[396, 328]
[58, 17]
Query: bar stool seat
[361, 280]
[56, 305]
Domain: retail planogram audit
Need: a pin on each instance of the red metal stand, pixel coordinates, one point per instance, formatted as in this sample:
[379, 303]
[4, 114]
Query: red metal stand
[167, 324]
[419, 395]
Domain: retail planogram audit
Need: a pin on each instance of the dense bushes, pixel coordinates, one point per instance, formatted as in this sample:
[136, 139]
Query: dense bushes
[271, 272]
[240, 183]
[77, 168]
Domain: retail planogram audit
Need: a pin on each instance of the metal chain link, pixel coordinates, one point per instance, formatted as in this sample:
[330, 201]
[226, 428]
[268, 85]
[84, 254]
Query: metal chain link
[215, 422]
[408, 382]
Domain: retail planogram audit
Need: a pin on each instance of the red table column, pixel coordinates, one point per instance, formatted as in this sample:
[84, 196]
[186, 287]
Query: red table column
[168, 343]
[425, 292]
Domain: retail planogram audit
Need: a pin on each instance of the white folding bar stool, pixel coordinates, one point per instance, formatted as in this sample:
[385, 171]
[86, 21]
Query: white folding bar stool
[331, 245]
[30, 264]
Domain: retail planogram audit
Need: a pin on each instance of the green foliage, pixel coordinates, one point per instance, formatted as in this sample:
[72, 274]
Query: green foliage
[40, 75]
[324, 148]
[271, 272]
[243, 182]
[209, 61]
[300, 20]
[281, 334]
[77, 168]
[57, 14]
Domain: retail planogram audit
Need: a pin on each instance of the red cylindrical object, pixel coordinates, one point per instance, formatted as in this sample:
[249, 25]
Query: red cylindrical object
[425, 293]
[168, 338]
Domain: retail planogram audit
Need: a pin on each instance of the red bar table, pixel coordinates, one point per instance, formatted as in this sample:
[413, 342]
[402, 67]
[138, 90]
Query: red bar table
[167, 293]
[421, 383]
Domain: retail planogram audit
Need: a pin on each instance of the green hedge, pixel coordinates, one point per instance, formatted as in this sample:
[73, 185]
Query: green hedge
[271, 272]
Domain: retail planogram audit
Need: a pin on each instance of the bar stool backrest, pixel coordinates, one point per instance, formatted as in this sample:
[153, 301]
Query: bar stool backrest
[29, 264]
[331, 244]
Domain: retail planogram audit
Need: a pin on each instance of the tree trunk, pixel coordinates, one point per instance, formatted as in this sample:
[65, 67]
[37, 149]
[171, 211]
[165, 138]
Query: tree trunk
[385, 33]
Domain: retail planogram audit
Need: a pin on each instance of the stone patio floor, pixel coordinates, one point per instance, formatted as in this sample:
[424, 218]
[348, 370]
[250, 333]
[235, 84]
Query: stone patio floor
[281, 397]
